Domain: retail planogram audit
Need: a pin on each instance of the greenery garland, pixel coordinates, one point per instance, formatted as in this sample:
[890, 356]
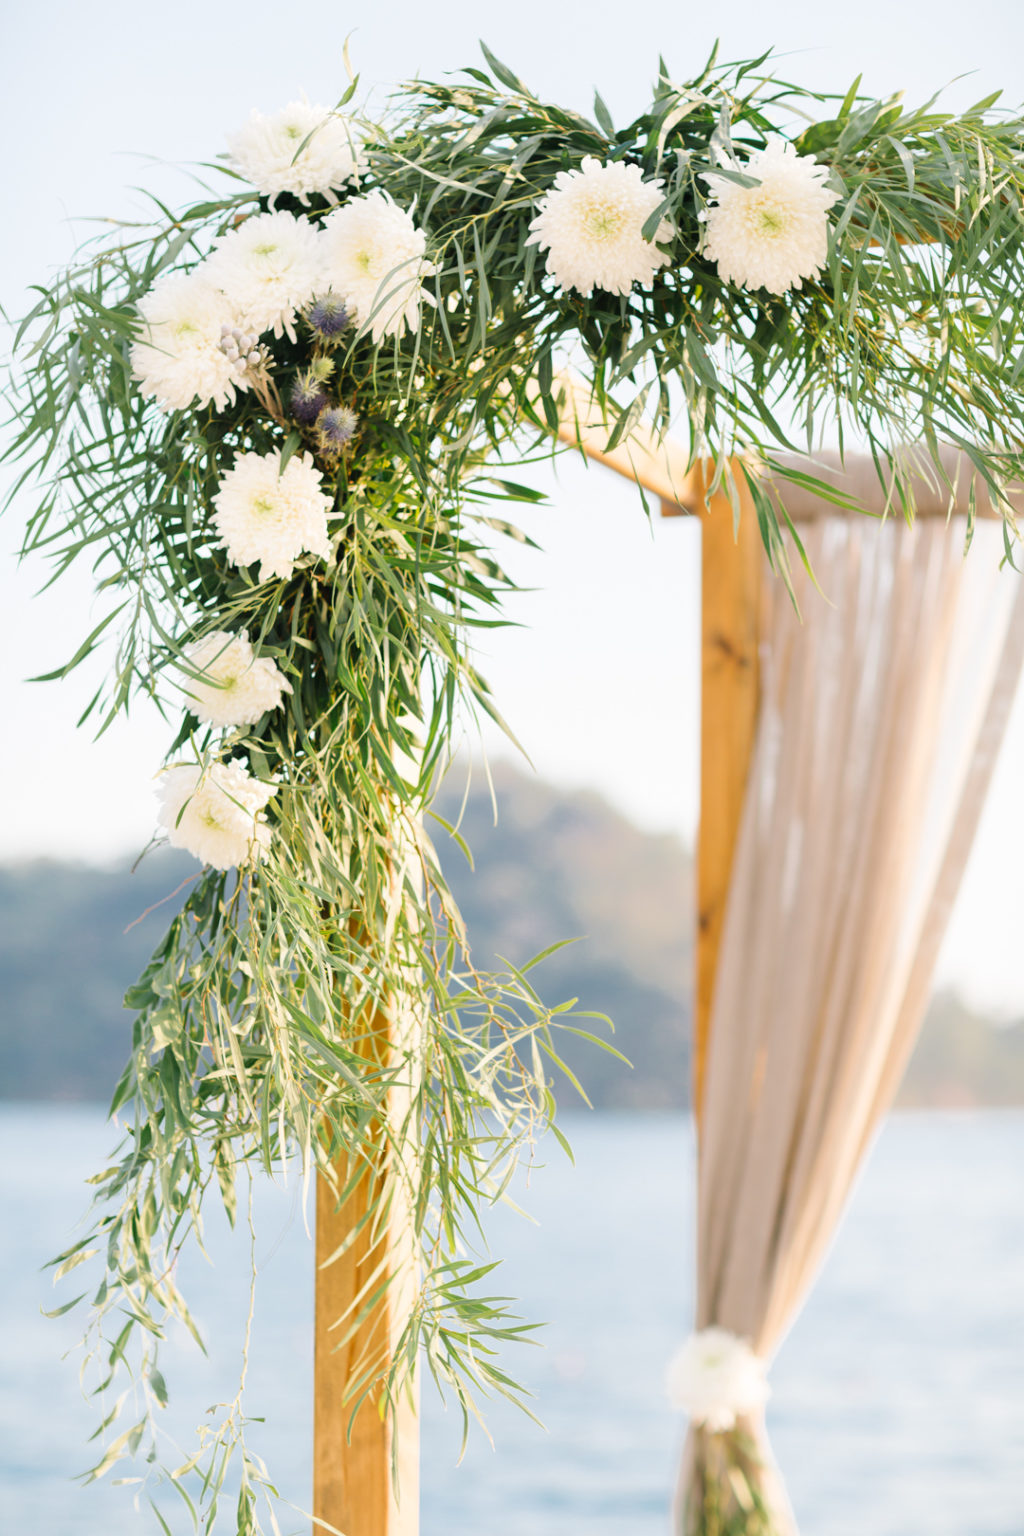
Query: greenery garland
[782, 257]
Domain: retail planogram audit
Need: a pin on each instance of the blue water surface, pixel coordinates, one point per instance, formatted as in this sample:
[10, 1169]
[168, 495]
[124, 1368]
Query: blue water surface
[898, 1405]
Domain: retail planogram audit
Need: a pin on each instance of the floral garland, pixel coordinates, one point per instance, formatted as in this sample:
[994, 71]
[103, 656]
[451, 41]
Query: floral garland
[279, 418]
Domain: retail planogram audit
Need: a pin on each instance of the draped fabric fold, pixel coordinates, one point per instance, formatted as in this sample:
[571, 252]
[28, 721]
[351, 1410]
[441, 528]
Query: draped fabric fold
[882, 710]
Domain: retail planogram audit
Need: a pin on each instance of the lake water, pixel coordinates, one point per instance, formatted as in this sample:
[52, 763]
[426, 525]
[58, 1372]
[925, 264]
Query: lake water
[898, 1405]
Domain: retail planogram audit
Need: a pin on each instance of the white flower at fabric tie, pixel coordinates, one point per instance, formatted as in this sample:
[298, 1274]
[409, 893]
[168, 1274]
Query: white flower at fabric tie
[774, 235]
[215, 812]
[591, 225]
[268, 150]
[375, 262]
[269, 268]
[273, 517]
[716, 1378]
[178, 358]
[238, 687]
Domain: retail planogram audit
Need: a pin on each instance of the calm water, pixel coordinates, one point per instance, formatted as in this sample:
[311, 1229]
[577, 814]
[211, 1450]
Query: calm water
[899, 1396]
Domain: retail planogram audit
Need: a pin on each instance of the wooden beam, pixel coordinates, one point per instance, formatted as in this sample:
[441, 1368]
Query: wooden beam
[730, 580]
[354, 1491]
[659, 464]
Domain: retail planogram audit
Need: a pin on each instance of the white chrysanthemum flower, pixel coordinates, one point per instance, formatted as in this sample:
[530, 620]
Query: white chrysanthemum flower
[268, 267]
[267, 150]
[773, 235]
[237, 687]
[591, 225]
[264, 514]
[178, 359]
[215, 812]
[716, 1378]
[374, 260]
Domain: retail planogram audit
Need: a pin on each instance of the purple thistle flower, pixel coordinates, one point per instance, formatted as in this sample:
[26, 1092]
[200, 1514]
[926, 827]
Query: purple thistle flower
[328, 317]
[335, 428]
[308, 399]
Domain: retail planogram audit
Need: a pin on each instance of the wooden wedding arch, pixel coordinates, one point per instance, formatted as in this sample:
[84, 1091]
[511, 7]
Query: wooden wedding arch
[365, 1466]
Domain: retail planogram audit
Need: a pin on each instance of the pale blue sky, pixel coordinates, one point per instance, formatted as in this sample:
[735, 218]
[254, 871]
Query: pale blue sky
[602, 685]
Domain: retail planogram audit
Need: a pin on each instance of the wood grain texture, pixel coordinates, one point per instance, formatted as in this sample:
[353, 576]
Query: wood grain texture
[730, 580]
[356, 1332]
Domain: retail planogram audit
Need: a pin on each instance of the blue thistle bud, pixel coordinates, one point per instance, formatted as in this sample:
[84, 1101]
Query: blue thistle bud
[327, 317]
[308, 399]
[335, 428]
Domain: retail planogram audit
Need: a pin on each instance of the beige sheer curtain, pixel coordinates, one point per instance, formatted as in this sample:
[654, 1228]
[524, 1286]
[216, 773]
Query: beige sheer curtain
[881, 716]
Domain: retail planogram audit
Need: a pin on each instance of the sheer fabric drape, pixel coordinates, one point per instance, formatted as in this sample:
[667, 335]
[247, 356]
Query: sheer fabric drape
[881, 716]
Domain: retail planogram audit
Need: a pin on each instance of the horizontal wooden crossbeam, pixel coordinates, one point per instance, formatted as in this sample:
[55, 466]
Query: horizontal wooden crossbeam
[661, 465]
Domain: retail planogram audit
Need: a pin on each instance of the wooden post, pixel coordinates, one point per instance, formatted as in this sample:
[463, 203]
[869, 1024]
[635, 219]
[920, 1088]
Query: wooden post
[354, 1491]
[730, 570]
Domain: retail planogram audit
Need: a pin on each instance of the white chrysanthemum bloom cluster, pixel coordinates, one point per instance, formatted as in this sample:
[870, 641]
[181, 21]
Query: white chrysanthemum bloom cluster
[270, 268]
[273, 153]
[273, 516]
[237, 687]
[215, 812]
[716, 1378]
[178, 359]
[591, 224]
[375, 262]
[773, 235]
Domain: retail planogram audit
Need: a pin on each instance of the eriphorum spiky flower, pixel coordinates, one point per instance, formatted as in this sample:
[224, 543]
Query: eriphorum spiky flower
[178, 358]
[215, 812]
[237, 687]
[591, 224]
[327, 317]
[272, 152]
[308, 398]
[375, 263]
[773, 235]
[335, 429]
[269, 267]
[716, 1378]
[273, 516]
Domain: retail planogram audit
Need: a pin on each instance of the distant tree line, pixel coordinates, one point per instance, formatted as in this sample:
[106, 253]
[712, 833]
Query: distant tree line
[556, 865]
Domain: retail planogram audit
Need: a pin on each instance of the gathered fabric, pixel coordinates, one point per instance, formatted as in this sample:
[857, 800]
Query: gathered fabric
[883, 706]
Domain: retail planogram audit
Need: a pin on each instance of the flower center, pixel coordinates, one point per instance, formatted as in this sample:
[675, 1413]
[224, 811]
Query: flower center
[603, 220]
[263, 505]
[264, 250]
[768, 220]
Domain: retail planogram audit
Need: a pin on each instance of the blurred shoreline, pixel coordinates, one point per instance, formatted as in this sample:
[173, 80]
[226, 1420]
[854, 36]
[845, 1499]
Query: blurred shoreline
[556, 865]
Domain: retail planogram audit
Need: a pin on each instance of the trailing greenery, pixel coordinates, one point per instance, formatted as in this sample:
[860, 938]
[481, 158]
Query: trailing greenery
[272, 1023]
[555, 862]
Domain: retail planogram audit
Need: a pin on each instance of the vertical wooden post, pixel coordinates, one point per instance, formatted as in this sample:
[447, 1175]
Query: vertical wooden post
[354, 1490]
[730, 571]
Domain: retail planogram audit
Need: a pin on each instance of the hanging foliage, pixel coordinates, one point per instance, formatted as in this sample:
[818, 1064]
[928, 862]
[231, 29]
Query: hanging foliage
[277, 425]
